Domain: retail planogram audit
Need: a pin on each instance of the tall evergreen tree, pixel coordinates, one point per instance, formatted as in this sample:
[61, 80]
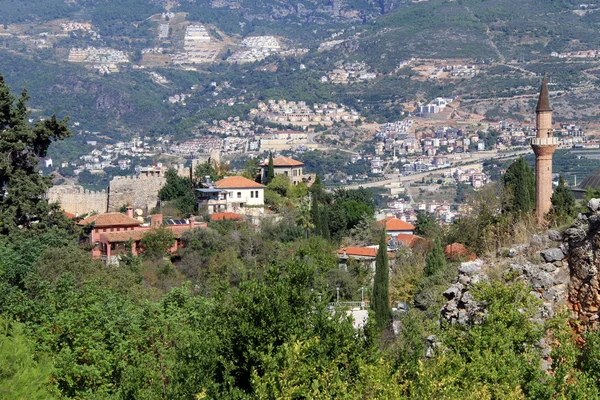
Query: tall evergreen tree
[436, 261]
[21, 147]
[520, 181]
[381, 296]
[270, 169]
[563, 201]
[315, 215]
[325, 232]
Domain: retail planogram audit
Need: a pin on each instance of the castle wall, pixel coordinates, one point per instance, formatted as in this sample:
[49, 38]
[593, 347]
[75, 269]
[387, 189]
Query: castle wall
[139, 192]
[77, 200]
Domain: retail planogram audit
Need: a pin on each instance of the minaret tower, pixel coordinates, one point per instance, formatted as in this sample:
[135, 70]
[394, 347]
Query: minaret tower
[543, 146]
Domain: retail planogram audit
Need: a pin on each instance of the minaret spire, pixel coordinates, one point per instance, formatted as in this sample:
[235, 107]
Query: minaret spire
[543, 146]
[543, 103]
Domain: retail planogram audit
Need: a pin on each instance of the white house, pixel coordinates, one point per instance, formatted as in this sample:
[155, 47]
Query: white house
[241, 192]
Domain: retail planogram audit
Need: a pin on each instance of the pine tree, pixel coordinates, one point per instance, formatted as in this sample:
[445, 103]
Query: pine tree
[270, 169]
[520, 181]
[381, 297]
[563, 201]
[21, 147]
[316, 215]
[436, 261]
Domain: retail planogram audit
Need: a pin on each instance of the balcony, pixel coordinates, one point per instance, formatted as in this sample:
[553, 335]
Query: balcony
[549, 141]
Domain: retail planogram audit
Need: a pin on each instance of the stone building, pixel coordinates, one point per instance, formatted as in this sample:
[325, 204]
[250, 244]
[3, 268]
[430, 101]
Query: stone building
[283, 165]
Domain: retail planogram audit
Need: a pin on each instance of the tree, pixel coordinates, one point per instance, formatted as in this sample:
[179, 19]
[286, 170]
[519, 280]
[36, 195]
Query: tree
[325, 232]
[563, 201]
[381, 296]
[180, 191]
[157, 242]
[204, 170]
[425, 225]
[270, 169]
[436, 261]
[315, 215]
[21, 146]
[519, 182]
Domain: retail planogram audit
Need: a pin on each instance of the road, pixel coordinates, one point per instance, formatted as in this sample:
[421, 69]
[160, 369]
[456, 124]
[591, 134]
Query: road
[468, 162]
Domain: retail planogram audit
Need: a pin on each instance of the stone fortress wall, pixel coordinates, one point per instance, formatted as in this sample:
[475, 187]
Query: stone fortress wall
[139, 192]
[77, 200]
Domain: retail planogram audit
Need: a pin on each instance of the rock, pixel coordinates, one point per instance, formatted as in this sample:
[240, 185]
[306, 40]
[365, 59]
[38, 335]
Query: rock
[464, 280]
[550, 267]
[576, 233]
[542, 280]
[553, 254]
[594, 204]
[555, 235]
[557, 264]
[470, 268]
[538, 241]
[453, 291]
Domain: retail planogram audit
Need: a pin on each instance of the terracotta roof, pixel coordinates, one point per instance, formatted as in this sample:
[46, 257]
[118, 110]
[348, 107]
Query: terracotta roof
[283, 162]
[409, 240]
[358, 251]
[458, 250]
[361, 251]
[543, 103]
[222, 216]
[237, 182]
[395, 224]
[69, 215]
[123, 236]
[109, 219]
[116, 237]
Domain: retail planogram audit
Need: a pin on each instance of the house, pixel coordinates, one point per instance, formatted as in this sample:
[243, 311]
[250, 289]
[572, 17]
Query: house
[367, 255]
[114, 234]
[394, 226]
[231, 194]
[283, 165]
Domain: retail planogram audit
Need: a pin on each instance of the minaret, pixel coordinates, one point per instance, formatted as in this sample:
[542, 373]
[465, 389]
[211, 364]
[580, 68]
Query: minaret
[543, 146]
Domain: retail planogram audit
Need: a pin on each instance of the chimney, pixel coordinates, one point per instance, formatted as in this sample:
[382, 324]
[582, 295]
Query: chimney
[156, 220]
[130, 211]
[192, 221]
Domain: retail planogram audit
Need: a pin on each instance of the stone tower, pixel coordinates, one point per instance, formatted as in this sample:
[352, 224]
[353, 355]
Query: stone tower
[543, 146]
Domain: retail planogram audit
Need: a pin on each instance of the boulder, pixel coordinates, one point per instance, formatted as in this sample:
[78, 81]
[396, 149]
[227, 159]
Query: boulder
[555, 236]
[553, 254]
[594, 204]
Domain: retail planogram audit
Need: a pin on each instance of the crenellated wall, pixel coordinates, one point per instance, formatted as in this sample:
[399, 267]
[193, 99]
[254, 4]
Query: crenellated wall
[140, 192]
[77, 200]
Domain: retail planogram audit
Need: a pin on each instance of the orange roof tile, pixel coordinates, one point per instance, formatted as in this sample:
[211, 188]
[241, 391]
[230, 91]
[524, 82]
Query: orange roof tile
[222, 216]
[358, 251]
[409, 240]
[69, 215]
[237, 182]
[284, 162]
[395, 224]
[116, 237]
[458, 250]
[109, 219]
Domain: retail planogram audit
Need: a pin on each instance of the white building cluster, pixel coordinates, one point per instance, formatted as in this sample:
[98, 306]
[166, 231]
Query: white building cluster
[100, 55]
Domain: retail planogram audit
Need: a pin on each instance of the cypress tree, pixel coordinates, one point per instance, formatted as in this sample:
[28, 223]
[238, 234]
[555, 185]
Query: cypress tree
[563, 200]
[315, 215]
[436, 261]
[381, 296]
[325, 223]
[520, 181]
[270, 169]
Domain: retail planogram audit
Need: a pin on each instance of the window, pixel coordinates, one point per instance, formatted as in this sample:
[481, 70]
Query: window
[231, 195]
[239, 196]
[252, 194]
[256, 195]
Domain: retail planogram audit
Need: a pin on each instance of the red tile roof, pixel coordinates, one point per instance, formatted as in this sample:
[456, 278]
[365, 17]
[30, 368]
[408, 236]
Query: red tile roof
[395, 224]
[283, 162]
[69, 215]
[409, 240]
[458, 250]
[358, 251]
[222, 216]
[110, 219]
[237, 182]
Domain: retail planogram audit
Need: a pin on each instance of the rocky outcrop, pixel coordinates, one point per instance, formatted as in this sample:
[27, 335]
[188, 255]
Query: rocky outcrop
[562, 269]
[582, 245]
